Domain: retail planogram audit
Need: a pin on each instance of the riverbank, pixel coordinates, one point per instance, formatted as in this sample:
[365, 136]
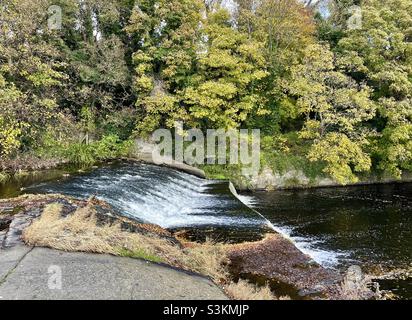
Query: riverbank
[292, 179]
[288, 176]
[140, 151]
[72, 225]
[36, 221]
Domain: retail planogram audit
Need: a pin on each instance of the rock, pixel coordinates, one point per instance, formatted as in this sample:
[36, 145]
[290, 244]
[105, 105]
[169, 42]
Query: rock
[2, 236]
[4, 208]
[268, 180]
[10, 258]
[13, 235]
[5, 221]
[33, 274]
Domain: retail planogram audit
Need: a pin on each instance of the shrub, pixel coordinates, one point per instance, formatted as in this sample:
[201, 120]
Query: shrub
[4, 177]
[80, 154]
[109, 147]
[9, 137]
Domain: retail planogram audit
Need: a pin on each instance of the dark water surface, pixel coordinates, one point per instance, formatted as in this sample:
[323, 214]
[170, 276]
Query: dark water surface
[366, 225]
[369, 226]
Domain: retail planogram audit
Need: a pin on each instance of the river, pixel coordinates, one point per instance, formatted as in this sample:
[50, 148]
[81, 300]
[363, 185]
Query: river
[365, 225]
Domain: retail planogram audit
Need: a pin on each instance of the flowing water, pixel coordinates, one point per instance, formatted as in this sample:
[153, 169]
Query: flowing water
[166, 197]
[370, 226]
[338, 227]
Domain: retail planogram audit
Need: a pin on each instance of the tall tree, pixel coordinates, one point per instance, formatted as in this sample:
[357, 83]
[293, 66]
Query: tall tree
[97, 52]
[380, 53]
[31, 74]
[167, 34]
[336, 110]
[226, 89]
[285, 27]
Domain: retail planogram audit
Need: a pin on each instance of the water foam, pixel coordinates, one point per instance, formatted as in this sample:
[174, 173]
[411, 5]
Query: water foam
[173, 199]
[158, 195]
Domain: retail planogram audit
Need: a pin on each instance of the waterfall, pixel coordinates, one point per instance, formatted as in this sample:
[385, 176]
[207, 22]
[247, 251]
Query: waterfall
[159, 195]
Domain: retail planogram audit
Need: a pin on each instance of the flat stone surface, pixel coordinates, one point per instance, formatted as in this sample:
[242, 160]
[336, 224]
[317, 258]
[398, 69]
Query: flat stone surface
[34, 274]
[10, 258]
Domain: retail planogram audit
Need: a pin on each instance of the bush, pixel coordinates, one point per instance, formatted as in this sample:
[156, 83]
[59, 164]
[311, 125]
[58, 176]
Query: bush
[80, 154]
[9, 137]
[109, 147]
[4, 177]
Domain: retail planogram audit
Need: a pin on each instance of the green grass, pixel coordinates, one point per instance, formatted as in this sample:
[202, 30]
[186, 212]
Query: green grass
[221, 172]
[20, 174]
[84, 155]
[288, 152]
[140, 254]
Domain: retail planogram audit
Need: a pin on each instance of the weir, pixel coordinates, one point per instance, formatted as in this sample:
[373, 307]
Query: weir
[166, 197]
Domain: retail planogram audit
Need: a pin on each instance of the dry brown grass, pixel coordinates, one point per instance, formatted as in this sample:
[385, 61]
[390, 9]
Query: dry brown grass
[244, 290]
[81, 232]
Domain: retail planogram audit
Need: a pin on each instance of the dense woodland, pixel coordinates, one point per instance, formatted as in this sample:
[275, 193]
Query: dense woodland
[329, 99]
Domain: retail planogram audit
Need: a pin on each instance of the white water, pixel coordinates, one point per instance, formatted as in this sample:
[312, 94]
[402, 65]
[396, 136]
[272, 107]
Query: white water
[325, 258]
[174, 199]
[157, 195]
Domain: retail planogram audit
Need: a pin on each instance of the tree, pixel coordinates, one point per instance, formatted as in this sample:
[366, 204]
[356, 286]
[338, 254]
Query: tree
[336, 109]
[31, 73]
[343, 157]
[225, 91]
[166, 33]
[285, 28]
[94, 46]
[381, 55]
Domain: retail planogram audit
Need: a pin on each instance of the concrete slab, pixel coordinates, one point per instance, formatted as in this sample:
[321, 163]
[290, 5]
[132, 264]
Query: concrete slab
[10, 258]
[94, 277]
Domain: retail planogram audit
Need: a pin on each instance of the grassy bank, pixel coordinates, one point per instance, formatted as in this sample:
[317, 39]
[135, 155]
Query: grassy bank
[54, 154]
[284, 164]
[280, 154]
